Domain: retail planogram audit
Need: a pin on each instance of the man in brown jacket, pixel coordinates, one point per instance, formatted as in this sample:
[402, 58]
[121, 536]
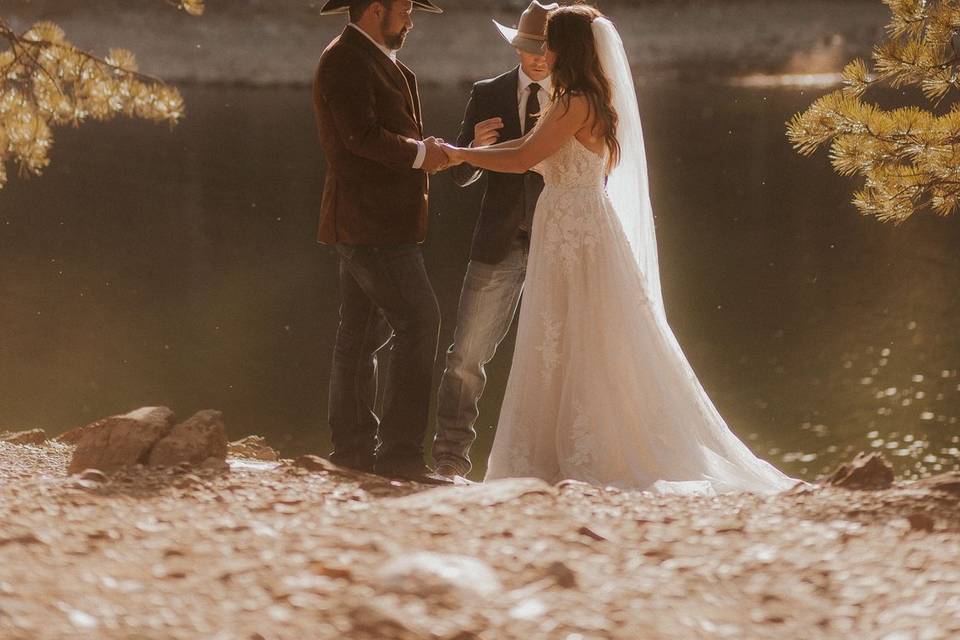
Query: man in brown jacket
[374, 212]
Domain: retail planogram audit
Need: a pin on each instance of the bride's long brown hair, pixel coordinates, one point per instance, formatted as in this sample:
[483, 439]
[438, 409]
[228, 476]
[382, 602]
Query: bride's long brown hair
[578, 71]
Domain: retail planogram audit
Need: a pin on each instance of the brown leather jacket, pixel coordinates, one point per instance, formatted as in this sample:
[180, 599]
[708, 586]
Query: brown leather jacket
[368, 116]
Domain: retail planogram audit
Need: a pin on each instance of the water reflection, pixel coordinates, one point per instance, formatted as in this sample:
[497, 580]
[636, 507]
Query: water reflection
[807, 80]
[179, 268]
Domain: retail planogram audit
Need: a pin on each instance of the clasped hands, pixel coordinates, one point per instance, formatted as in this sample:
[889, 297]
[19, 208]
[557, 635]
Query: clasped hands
[439, 155]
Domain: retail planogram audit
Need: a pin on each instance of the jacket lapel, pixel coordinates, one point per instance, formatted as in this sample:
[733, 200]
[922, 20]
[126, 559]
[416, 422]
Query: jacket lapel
[509, 105]
[414, 94]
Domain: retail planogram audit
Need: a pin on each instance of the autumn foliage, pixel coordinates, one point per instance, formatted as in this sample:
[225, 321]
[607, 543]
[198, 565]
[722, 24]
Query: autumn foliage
[46, 81]
[909, 156]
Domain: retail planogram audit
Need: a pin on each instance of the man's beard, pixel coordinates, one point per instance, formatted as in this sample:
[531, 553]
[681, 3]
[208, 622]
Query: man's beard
[394, 40]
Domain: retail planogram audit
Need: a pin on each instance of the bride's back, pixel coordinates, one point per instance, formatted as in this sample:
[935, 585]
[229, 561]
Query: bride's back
[578, 75]
[575, 166]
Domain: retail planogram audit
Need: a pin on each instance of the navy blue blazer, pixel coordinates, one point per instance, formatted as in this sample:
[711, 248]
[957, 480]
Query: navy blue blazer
[508, 198]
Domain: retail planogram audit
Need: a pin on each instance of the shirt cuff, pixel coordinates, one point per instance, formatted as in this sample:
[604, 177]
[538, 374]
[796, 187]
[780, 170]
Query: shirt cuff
[421, 154]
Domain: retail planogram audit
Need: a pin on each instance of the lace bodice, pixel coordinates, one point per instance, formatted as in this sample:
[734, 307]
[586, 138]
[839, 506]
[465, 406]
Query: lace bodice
[573, 166]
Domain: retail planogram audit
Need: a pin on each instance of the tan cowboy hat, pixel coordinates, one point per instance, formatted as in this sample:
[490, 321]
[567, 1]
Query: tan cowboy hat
[343, 6]
[531, 34]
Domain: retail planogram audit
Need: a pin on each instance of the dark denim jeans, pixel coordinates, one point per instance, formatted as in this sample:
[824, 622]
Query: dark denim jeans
[488, 304]
[386, 299]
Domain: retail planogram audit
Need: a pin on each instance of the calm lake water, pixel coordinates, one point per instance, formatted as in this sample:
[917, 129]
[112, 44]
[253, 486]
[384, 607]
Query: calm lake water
[179, 268]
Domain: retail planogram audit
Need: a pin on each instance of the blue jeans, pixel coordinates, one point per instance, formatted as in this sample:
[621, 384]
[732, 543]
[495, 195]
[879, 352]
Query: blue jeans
[488, 303]
[386, 299]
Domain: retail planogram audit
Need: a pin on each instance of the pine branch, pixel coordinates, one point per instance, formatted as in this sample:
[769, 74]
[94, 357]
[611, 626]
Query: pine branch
[46, 81]
[908, 157]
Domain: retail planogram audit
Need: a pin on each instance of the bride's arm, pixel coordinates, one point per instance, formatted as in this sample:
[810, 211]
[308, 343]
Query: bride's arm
[518, 156]
[509, 144]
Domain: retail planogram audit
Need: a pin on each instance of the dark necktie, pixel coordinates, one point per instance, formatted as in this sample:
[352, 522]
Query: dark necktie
[533, 108]
[529, 122]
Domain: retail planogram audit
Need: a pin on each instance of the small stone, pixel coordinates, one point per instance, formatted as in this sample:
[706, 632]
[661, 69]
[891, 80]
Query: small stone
[82, 620]
[920, 522]
[93, 475]
[590, 533]
[866, 472]
[529, 609]
[252, 448]
[189, 480]
[564, 575]
[381, 618]
[25, 537]
[88, 485]
[331, 571]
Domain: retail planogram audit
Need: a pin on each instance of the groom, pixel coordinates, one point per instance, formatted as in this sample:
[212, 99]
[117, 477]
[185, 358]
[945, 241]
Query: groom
[500, 109]
[374, 213]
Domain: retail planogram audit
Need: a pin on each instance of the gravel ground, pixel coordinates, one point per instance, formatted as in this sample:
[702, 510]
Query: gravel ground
[266, 552]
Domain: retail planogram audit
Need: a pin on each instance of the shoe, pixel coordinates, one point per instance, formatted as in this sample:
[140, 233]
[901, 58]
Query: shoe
[448, 470]
[362, 462]
[419, 473]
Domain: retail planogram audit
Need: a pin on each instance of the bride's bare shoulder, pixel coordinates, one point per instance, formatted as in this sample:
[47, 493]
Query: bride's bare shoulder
[574, 105]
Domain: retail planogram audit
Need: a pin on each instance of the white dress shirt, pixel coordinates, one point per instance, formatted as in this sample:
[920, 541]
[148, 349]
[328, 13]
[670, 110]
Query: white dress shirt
[390, 53]
[523, 94]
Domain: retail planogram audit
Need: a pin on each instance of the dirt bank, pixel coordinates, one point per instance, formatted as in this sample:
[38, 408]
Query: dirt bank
[283, 552]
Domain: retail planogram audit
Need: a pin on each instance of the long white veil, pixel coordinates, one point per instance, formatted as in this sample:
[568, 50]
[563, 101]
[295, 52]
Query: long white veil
[628, 185]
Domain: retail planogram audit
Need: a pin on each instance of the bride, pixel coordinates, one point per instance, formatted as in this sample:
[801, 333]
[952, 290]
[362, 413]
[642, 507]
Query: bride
[600, 390]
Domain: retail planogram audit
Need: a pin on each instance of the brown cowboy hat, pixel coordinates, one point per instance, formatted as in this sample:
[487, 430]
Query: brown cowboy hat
[343, 6]
[531, 34]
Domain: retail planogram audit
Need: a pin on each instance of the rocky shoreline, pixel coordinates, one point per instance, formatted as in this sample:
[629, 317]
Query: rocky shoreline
[262, 549]
[271, 42]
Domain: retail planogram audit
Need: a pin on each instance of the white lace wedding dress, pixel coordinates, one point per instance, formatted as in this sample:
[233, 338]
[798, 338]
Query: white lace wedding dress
[600, 390]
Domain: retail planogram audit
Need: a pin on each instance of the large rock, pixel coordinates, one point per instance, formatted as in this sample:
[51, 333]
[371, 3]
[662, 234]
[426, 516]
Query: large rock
[195, 440]
[120, 441]
[75, 435]
[33, 436]
[866, 472]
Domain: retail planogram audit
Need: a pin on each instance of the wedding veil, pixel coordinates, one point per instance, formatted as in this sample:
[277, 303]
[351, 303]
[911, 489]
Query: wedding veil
[628, 185]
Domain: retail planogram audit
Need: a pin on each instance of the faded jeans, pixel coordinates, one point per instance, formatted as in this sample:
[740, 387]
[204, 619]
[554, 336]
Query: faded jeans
[386, 299]
[488, 304]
